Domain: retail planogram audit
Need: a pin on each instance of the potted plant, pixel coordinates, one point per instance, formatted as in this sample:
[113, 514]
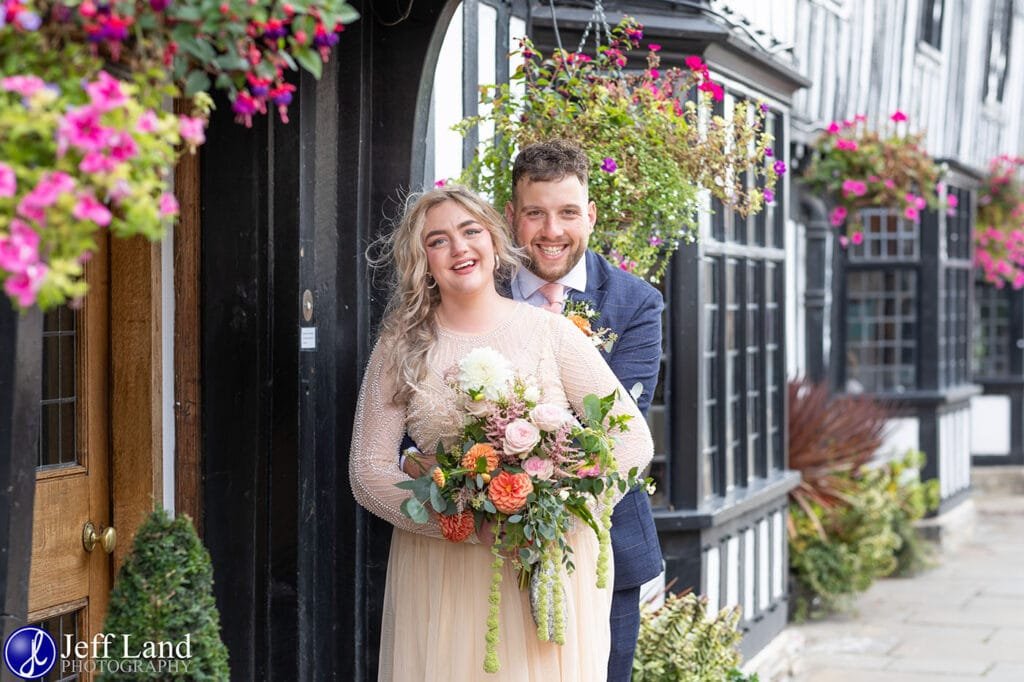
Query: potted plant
[651, 154]
[999, 237]
[858, 166]
[163, 593]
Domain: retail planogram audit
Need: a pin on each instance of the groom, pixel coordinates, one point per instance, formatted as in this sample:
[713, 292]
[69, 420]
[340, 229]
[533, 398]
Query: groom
[552, 218]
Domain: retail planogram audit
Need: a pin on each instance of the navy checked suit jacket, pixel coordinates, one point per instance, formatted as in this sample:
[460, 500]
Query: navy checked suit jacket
[631, 308]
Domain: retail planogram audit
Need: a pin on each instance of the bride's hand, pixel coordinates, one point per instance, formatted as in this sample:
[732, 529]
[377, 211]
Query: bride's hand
[415, 465]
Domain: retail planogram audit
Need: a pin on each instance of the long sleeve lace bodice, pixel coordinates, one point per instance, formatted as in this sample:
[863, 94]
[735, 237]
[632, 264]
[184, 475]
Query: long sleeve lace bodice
[548, 347]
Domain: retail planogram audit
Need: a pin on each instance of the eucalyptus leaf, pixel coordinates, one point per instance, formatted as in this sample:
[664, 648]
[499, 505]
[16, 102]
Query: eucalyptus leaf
[436, 500]
[415, 510]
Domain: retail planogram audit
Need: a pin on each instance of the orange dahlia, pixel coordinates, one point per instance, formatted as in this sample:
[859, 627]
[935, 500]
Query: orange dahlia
[508, 491]
[582, 323]
[457, 527]
[479, 450]
[439, 477]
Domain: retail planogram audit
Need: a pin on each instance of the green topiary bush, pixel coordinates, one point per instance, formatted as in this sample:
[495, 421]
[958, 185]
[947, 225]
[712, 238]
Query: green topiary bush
[164, 592]
[679, 642]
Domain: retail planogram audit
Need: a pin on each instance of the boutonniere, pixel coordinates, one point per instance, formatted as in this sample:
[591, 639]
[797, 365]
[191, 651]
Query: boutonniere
[583, 316]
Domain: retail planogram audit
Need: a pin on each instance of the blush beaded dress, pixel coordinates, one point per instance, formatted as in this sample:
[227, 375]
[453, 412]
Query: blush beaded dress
[435, 600]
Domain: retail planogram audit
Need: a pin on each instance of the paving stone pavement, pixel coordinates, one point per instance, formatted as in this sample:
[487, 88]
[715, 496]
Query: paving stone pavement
[962, 620]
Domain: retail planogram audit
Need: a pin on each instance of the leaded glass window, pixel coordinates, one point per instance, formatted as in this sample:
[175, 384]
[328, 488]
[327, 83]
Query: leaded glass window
[992, 329]
[58, 439]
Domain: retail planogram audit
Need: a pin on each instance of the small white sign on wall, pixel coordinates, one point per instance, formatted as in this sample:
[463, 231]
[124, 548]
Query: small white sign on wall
[990, 425]
[307, 338]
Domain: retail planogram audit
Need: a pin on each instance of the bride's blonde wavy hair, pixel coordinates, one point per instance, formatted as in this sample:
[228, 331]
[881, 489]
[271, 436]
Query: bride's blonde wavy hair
[407, 331]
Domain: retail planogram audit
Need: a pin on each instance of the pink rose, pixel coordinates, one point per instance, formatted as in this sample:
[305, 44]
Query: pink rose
[541, 469]
[520, 436]
[549, 417]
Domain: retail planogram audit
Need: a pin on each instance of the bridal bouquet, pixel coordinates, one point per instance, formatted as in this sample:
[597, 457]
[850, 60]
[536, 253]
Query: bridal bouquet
[527, 469]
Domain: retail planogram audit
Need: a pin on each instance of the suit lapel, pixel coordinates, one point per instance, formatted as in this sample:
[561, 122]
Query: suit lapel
[597, 283]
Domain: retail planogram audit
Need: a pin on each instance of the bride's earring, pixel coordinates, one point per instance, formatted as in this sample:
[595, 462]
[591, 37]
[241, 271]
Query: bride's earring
[431, 282]
[497, 263]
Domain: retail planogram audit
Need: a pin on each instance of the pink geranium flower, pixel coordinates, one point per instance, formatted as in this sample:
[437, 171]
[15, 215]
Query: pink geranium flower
[837, 216]
[898, 116]
[8, 181]
[854, 188]
[24, 286]
[105, 93]
[81, 128]
[846, 145]
[191, 130]
[26, 86]
[833, 128]
[20, 249]
[88, 208]
[168, 204]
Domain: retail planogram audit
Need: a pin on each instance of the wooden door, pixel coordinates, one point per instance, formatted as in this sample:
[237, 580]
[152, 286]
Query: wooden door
[69, 586]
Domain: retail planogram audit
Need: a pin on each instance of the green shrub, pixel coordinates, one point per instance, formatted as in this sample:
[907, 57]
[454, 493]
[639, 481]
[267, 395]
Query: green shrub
[838, 551]
[165, 591]
[679, 643]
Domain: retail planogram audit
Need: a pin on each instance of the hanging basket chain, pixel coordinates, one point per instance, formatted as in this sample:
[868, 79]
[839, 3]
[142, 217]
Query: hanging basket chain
[598, 21]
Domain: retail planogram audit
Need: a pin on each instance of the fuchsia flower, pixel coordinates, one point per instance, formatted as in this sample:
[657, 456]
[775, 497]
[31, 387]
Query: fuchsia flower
[88, 208]
[898, 116]
[8, 181]
[654, 47]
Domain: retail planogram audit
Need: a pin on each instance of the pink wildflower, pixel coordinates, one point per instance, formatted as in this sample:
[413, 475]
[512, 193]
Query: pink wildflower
[88, 208]
[654, 47]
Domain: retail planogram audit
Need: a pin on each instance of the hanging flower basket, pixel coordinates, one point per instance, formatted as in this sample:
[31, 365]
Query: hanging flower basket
[999, 236]
[86, 141]
[651, 151]
[858, 167]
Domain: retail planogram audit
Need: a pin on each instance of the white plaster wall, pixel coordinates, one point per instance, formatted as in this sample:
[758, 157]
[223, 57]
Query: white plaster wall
[990, 425]
[902, 435]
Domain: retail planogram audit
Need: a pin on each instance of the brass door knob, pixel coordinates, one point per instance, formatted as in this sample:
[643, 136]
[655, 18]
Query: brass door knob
[107, 538]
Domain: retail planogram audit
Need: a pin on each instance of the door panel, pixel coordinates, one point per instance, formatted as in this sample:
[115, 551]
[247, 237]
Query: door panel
[68, 586]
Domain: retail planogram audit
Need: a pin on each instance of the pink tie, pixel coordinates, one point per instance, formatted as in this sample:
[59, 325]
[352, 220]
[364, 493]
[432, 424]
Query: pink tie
[555, 295]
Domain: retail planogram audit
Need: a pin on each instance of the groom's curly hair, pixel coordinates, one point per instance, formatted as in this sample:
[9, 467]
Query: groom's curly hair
[550, 161]
[407, 331]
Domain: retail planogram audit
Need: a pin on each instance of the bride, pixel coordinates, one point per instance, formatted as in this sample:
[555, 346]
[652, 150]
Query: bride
[447, 253]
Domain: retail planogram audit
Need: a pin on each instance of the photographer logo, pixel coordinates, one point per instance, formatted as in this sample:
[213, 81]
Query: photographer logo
[30, 652]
